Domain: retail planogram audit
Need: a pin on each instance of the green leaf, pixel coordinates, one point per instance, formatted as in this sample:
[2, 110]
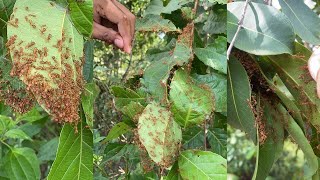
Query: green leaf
[159, 134]
[22, 163]
[299, 82]
[88, 65]
[202, 165]
[173, 174]
[6, 8]
[155, 23]
[31, 129]
[191, 103]
[81, 13]
[218, 85]
[217, 139]
[156, 6]
[239, 96]
[114, 151]
[50, 56]
[278, 87]
[124, 96]
[117, 130]
[216, 21]
[272, 146]
[75, 154]
[132, 109]
[5, 123]
[156, 54]
[306, 23]
[156, 74]
[30, 116]
[215, 57]
[303, 143]
[266, 31]
[17, 134]
[88, 96]
[193, 138]
[47, 151]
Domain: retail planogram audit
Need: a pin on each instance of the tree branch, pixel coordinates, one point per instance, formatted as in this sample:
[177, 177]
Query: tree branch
[240, 24]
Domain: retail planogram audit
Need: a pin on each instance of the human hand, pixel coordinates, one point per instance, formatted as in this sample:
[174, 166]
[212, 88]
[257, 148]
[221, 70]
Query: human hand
[113, 23]
[314, 68]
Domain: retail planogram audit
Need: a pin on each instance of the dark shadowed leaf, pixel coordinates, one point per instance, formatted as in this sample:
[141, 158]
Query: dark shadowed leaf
[47, 151]
[272, 146]
[88, 65]
[218, 141]
[193, 138]
[239, 96]
[88, 96]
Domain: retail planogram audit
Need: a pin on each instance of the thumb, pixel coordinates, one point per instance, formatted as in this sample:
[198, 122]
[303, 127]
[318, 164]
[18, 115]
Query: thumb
[107, 34]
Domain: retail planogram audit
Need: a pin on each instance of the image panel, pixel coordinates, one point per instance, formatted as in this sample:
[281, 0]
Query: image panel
[161, 111]
[273, 89]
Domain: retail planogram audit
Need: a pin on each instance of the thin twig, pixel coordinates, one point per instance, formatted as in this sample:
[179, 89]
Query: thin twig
[205, 135]
[240, 24]
[124, 77]
[196, 4]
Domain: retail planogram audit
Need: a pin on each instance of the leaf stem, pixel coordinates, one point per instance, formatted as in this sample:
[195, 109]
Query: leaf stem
[101, 170]
[205, 134]
[2, 141]
[240, 25]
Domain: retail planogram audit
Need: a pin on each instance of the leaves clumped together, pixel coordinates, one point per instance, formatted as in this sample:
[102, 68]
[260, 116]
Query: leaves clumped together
[49, 61]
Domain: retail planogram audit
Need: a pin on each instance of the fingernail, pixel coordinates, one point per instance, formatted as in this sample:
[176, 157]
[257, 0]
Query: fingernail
[118, 43]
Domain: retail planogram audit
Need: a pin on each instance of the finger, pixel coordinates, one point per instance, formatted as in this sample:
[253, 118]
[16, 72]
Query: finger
[123, 27]
[318, 84]
[115, 15]
[96, 16]
[131, 17]
[108, 35]
[108, 24]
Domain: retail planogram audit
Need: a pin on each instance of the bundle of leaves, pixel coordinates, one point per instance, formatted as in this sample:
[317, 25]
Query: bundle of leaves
[269, 85]
[44, 65]
[47, 56]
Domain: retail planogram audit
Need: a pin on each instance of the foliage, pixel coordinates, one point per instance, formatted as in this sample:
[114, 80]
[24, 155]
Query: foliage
[279, 94]
[42, 79]
[171, 114]
[174, 87]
